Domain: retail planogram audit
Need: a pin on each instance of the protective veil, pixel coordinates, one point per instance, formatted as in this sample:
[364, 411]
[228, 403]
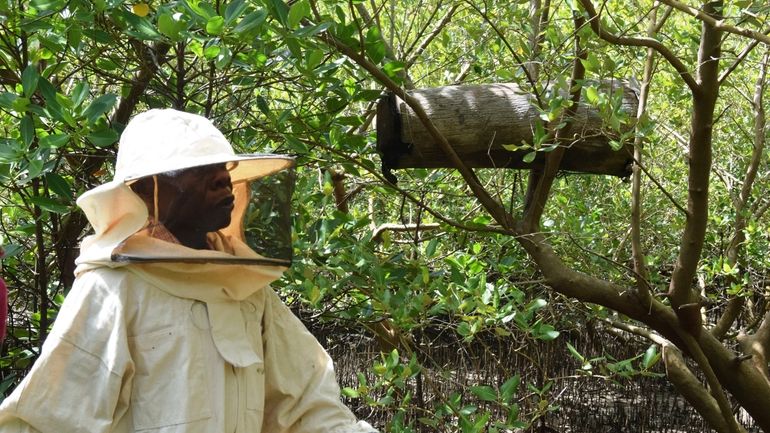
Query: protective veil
[158, 337]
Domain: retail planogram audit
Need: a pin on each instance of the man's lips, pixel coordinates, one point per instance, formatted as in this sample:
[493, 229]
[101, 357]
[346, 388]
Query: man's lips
[227, 202]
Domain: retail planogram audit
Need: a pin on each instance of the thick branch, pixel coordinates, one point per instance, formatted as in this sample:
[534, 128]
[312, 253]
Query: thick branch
[683, 298]
[494, 207]
[664, 51]
[537, 200]
[758, 347]
[691, 389]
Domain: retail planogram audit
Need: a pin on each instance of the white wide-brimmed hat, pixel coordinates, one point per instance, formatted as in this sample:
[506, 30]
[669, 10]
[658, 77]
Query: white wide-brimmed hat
[163, 140]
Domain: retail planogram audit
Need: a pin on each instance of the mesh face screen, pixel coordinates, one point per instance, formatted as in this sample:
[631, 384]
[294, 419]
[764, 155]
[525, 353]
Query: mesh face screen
[268, 220]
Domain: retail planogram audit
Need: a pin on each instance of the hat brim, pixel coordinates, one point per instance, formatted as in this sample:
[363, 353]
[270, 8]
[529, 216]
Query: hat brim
[246, 166]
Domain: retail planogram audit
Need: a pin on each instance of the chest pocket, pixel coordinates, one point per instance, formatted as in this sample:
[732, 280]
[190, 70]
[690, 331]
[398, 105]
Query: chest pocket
[170, 384]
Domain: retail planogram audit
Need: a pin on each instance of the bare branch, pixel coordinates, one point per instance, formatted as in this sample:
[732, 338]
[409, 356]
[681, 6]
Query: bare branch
[539, 194]
[664, 51]
[377, 233]
[413, 56]
[637, 250]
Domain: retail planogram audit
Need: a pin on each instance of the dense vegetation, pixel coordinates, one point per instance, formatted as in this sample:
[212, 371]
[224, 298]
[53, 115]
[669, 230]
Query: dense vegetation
[676, 257]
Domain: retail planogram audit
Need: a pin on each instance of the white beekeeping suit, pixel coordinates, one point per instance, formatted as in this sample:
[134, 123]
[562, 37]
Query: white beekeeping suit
[158, 337]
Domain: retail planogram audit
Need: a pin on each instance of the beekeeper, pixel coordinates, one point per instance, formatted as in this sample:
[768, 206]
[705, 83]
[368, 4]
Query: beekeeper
[171, 325]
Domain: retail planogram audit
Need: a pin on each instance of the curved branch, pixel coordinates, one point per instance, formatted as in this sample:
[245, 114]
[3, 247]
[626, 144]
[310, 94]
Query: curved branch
[663, 50]
[637, 250]
[691, 388]
[494, 207]
[718, 24]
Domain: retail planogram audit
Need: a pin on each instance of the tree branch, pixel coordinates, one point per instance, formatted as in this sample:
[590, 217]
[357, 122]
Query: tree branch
[494, 207]
[758, 346]
[382, 228]
[413, 56]
[664, 51]
[741, 218]
[539, 195]
[683, 298]
[716, 23]
[637, 250]
[689, 386]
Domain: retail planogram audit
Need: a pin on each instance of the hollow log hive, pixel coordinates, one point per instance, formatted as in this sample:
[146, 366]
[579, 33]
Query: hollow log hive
[478, 120]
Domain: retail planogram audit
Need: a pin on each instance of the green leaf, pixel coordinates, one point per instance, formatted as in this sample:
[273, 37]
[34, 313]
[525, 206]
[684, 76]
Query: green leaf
[12, 249]
[223, 58]
[47, 90]
[280, 11]
[529, 157]
[170, 26]
[591, 63]
[47, 5]
[375, 46]
[349, 392]
[140, 27]
[250, 22]
[59, 186]
[29, 79]
[215, 25]
[234, 9]
[27, 130]
[34, 168]
[54, 140]
[79, 93]
[7, 99]
[211, 52]
[430, 251]
[49, 204]
[393, 68]
[202, 10]
[484, 392]
[651, 356]
[509, 387]
[20, 105]
[262, 105]
[99, 36]
[545, 332]
[575, 353]
[99, 106]
[305, 32]
[298, 12]
[313, 58]
[592, 95]
[103, 137]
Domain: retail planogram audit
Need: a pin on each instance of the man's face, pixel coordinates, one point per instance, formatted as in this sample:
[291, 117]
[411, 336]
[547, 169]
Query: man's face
[198, 199]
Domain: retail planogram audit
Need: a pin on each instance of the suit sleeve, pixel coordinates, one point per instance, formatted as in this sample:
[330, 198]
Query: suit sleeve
[301, 390]
[82, 379]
